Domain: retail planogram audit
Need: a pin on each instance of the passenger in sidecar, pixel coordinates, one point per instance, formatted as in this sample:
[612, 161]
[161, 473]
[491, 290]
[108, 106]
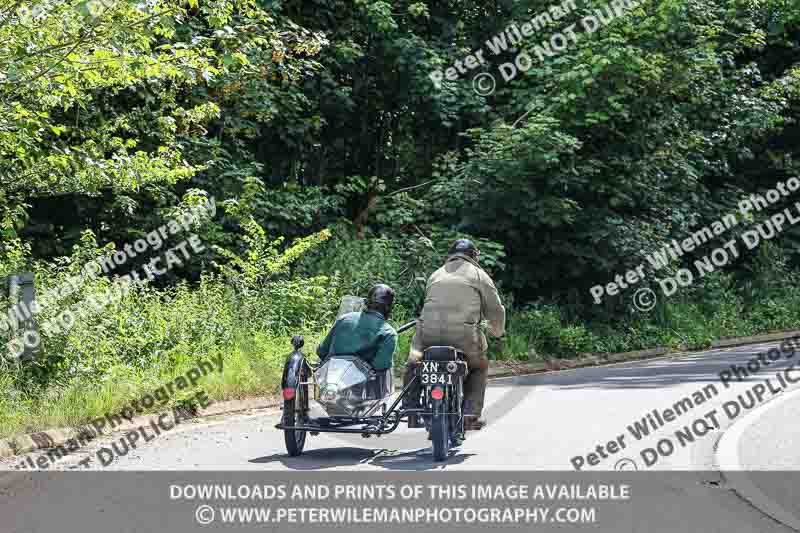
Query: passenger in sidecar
[362, 336]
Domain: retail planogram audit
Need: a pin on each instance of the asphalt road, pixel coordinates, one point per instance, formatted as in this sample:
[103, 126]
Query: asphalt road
[541, 422]
[772, 442]
[768, 448]
[537, 422]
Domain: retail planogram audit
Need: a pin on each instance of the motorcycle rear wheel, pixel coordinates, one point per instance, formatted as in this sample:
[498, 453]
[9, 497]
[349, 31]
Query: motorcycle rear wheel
[440, 431]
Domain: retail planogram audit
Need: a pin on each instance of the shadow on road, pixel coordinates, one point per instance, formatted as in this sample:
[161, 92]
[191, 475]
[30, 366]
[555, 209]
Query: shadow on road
[702, 369]
[418, 460]
[323, 458]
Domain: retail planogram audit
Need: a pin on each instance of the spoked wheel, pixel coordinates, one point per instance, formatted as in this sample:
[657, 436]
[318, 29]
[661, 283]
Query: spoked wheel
[440, 431]
[457, 431]
[294, 413]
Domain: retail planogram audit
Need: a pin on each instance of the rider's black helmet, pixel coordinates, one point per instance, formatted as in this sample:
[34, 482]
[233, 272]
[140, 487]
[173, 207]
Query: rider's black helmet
[466, 247]
[381, 299]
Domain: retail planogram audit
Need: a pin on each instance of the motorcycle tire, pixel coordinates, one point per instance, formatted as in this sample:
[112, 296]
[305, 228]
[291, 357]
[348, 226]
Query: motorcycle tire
[294, 413]
[440, 431]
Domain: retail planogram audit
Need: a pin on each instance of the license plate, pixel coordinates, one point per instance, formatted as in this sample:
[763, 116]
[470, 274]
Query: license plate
[435, 373]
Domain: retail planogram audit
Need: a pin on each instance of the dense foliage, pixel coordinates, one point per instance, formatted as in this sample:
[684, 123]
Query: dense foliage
[337, 160]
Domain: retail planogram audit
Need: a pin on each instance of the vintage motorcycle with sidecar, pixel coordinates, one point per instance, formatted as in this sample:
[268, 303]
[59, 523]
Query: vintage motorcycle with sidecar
[355, 398]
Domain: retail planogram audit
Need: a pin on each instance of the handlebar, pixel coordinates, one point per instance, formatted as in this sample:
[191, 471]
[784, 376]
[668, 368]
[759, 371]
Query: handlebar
[406, 327]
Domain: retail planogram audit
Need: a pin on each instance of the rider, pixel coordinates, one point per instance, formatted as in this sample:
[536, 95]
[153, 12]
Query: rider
[365, 333]
[458, 297]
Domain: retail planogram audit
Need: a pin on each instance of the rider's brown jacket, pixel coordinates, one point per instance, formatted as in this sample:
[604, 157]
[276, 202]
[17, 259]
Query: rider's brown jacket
[458, 297]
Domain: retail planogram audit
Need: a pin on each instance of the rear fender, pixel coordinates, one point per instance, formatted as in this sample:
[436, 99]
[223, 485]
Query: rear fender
[294, 364]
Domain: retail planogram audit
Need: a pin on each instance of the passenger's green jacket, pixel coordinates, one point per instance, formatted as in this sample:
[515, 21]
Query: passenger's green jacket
[365, 334]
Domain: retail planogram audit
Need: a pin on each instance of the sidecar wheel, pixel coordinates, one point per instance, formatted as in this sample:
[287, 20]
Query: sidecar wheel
[294, 413]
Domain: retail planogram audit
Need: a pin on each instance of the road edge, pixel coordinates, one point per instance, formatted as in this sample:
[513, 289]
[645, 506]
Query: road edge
[730, 467]
[51, 438]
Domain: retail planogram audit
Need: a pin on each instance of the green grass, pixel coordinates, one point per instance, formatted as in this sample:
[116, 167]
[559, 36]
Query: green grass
[152, 336]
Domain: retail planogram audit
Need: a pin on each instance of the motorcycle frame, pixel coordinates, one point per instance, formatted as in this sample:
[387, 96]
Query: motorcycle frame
[382, 425]
[372, 425]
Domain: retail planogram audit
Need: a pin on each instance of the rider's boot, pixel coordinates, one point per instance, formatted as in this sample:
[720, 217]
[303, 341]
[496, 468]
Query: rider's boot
[411, 399]
[474, 423]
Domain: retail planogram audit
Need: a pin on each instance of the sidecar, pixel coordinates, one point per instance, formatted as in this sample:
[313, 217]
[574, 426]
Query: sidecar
[346, 386]
[354, 398]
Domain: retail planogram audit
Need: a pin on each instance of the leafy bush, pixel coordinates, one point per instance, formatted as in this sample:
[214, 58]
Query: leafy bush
[403, 260]
[541, 330]
[267, 290]
[150, 335]
[713, 308]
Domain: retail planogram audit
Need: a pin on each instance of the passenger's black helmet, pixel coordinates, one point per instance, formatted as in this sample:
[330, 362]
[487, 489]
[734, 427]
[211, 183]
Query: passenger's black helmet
[466, 247]
[381, 299]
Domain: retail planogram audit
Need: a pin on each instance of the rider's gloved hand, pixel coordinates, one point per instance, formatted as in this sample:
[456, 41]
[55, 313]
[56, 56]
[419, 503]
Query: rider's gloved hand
[501, 344]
